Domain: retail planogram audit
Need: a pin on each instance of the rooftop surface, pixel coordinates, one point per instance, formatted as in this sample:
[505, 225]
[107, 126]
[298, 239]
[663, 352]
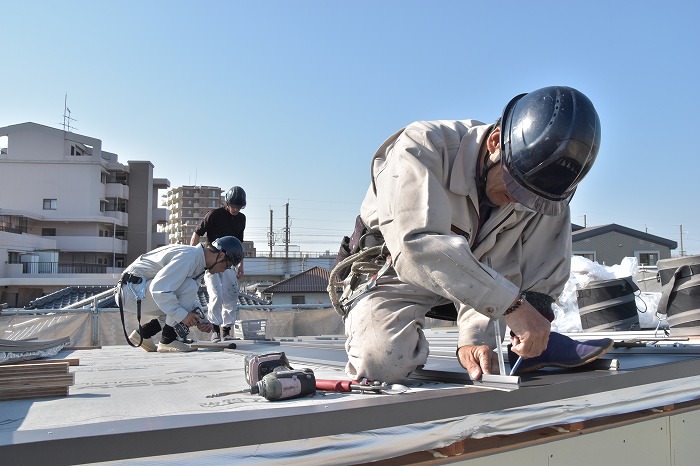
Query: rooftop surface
[131, 407]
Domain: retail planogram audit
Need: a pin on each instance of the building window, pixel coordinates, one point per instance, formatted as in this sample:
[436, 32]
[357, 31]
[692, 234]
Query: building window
[298, 299]
[647, 258]
[590, 255]
[48, 232]
[116, 204]
[50, 204]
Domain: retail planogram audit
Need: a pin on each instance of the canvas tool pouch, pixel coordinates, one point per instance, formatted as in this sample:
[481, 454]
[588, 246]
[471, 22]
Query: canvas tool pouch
[680, 291]
[362, 238]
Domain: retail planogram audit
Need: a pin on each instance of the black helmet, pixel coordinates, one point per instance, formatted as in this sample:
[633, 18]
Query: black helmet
[549, 141]
[235, 196]
[230, 246]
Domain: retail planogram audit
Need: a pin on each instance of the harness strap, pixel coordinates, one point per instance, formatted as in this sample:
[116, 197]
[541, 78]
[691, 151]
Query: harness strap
[129, 280]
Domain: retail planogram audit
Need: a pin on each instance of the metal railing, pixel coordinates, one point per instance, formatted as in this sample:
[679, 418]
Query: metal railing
[55, 267]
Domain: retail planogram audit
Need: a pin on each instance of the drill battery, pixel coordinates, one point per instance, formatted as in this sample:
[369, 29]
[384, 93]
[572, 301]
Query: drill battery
[258, 366]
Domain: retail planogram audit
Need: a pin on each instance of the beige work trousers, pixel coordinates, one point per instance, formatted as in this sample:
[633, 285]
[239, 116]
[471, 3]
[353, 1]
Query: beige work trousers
[384, 329]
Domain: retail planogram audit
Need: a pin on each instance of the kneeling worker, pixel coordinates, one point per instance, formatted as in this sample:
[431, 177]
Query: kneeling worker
[165, 281]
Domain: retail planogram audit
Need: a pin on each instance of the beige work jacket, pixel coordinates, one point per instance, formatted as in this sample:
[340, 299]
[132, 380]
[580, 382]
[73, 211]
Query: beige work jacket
[424, 200]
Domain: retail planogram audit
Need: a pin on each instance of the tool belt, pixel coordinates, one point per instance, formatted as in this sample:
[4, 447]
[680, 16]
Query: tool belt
[362, 259]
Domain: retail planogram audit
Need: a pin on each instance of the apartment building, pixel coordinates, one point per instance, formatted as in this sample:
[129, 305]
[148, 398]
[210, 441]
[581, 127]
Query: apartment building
[187, 206]
[70, 212]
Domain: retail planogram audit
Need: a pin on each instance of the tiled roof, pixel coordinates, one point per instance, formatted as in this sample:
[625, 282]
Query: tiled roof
[72, 294]
[69, 295]
[314, 280]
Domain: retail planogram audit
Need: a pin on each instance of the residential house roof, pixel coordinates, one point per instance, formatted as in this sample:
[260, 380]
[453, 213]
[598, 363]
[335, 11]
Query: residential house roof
[590, 232]
[314, 280]
[73, 294]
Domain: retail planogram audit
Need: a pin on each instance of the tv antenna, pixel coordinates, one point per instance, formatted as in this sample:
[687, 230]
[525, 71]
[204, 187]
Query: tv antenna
[66, 116]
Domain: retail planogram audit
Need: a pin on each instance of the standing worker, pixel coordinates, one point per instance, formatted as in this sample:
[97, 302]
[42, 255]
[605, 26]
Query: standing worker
[165, 281]
[470, 222]
[222, 287]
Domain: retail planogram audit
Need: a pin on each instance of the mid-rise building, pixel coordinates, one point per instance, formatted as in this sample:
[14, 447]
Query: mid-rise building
[70, 212]
[187, 206]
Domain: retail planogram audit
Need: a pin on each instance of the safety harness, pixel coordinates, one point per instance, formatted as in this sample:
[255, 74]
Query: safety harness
[137, 286]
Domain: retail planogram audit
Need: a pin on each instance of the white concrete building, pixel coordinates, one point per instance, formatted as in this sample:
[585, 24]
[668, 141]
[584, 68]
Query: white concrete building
[70, 213]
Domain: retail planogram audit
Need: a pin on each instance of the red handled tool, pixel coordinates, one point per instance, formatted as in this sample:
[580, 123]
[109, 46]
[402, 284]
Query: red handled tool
[355, 386]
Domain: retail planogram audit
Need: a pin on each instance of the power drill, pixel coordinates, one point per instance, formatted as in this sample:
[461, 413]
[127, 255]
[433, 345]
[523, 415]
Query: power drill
[183, 330]
[258, 366]
[286, 384]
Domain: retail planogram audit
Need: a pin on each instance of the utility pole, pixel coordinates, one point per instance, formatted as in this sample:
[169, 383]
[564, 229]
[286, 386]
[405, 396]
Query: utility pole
[286, 231]
[682, 250]
[270, 236]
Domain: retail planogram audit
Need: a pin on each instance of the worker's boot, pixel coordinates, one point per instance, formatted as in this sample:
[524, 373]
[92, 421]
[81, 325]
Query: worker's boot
[143, 337]
[562, 351]
[169, 342]
[215, 335]
[226, 333]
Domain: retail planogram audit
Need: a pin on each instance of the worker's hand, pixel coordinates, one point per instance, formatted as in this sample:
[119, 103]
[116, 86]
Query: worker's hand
[205, 327]
[191, 320]
[477, 360]
[530, 331]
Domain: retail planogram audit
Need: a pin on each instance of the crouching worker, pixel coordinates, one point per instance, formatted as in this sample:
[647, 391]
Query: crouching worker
[470, 222]
[165, 282]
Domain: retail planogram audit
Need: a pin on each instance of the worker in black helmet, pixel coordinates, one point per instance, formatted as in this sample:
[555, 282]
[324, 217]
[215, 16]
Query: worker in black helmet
[164, 282]
[222, 287]
[469, 221]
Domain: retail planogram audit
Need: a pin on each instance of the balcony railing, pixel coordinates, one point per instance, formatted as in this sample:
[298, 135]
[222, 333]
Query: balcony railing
[55, 267]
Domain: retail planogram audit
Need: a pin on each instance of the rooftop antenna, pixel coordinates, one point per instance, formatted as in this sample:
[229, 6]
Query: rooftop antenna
[66, 115]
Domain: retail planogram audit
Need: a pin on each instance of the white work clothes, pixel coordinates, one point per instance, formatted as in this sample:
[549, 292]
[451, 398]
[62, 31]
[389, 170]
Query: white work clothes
[223, 297]
[172, 275]
[424, 198]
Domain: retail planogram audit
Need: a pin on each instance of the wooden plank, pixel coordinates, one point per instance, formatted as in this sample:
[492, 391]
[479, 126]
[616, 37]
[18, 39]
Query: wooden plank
[36, 379]
[38, 368]
[70, 361]
[34, 393]
[17, 383]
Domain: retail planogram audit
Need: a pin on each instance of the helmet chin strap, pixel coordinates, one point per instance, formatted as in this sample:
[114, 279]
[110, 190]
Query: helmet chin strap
[215, 262]
[486, 163]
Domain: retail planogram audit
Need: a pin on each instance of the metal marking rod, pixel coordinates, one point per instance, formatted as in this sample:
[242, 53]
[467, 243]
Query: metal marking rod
[499, 347]
[506, 380]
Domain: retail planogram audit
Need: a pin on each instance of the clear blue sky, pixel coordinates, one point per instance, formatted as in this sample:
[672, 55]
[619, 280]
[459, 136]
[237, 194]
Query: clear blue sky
[290, 99]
